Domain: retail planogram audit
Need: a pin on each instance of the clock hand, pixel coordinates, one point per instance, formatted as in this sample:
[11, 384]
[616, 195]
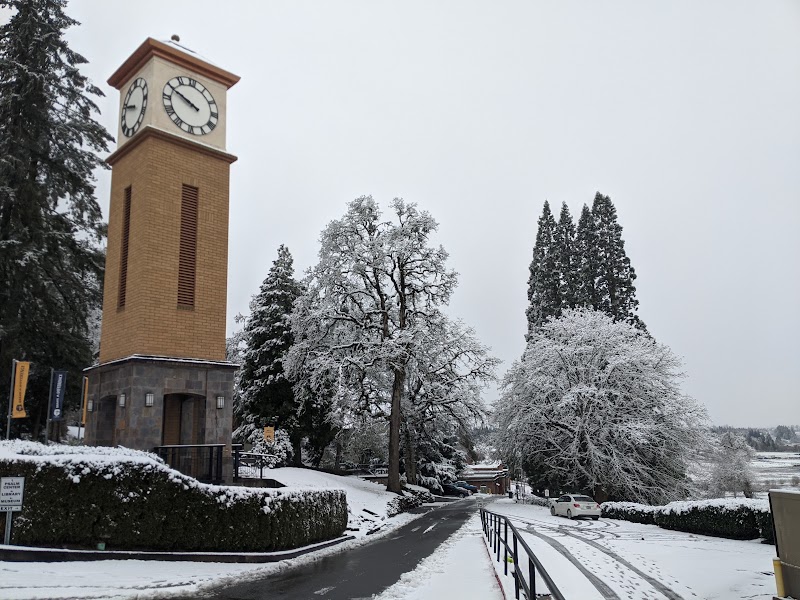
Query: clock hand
[185, 99]
[129, 106]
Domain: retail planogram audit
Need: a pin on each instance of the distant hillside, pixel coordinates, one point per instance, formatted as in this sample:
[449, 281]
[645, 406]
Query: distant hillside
[783, 438]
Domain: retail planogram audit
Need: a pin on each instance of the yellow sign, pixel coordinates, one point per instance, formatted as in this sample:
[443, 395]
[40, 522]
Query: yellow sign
[85, 399]
[269, 434]
[20, 384]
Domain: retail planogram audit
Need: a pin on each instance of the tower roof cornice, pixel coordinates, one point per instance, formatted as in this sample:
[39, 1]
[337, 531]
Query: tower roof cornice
[173, 53]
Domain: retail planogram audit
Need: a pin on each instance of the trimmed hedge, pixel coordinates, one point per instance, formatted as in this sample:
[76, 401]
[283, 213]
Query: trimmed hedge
[744, 519]
[133, 501]
[630, 511]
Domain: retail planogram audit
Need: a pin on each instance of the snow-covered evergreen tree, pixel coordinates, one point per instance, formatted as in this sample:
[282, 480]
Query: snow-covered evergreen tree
[585, 261]
[594, 405]
[616, 293]
[544, 283]
[566, 258]
[51, 227]
[266, 395]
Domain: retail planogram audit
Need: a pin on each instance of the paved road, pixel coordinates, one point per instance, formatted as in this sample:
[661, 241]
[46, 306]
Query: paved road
[363, 571]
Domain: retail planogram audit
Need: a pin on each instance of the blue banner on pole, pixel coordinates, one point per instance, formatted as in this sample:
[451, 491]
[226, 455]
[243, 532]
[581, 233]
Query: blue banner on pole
[57, 395]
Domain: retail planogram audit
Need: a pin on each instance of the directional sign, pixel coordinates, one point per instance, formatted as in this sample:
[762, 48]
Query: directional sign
[11, 490]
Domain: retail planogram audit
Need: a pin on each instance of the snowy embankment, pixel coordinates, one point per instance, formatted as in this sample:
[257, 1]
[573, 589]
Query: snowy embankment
[369, 505]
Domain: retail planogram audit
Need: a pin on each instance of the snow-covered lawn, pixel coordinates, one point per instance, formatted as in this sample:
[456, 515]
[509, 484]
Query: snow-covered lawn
[641, 561]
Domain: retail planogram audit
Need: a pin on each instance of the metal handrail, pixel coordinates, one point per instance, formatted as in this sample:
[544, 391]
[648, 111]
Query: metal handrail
[260, 460]
[201, 461]
[492, 524]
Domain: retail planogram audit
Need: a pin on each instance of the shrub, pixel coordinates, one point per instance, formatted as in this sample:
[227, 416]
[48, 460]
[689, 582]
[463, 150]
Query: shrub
[536, 500]
[77, 497]
[629, 511]
[740, 519]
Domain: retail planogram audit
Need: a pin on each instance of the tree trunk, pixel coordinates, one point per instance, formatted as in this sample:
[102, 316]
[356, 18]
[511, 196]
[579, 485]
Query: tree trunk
[338, 457]
[393, 484]
[411, 461]
[297, 450]
[600, 494]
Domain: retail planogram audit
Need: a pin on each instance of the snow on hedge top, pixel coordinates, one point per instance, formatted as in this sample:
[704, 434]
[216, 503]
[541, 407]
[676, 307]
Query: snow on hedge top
[78, 461]
[684, 506]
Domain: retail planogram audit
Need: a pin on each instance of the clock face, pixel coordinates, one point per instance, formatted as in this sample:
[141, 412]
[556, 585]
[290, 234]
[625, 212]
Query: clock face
[133, 107]
[190, 105]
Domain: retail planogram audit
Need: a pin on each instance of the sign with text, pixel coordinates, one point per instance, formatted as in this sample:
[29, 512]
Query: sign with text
[57, 395]
[269, 434]
[11, 491]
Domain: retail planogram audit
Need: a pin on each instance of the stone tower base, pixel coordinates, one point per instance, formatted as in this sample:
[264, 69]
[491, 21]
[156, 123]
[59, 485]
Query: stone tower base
[190, 404]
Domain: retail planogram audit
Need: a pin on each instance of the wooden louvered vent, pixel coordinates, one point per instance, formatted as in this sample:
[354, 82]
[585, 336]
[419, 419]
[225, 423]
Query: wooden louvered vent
[187, 262]
[123, 255]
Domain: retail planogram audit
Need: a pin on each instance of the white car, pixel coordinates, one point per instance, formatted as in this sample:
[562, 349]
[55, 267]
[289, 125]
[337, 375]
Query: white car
[573, 506]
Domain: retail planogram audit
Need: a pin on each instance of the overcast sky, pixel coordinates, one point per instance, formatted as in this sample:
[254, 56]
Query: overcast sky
[687, 114]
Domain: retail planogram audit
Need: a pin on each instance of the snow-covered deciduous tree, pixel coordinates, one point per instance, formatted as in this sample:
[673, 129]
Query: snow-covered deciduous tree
[731, 469]
[443, 402]
[370, 299]
[51, 226]
[595, 405]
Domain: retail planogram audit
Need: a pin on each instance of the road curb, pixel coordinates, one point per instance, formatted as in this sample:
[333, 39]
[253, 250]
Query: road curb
[30, 554]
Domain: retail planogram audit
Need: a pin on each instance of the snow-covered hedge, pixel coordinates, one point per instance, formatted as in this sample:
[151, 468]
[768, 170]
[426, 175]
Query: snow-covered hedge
[741, 519]
[80, 496]
[536, 500]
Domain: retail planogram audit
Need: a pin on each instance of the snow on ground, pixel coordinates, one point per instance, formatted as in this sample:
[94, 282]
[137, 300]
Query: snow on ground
[146, 580]
[367, 502]
[459, 568]
[588, 559]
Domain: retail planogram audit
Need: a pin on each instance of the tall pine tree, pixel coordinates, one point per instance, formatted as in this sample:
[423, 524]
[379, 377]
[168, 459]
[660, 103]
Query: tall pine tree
[583, 267]
[585, 261]
[51, 227]
[266, 395]
[564, 247]
[615, 275]
[544, 283]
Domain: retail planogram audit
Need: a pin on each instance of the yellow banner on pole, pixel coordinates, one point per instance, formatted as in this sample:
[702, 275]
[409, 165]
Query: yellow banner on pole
[85, 399]
[20, 385]
[269, 434]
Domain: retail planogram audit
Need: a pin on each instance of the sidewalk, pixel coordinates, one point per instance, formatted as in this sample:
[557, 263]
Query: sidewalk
[460, 568]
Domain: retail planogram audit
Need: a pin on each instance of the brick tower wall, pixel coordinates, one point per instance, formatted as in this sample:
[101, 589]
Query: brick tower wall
[151, 323]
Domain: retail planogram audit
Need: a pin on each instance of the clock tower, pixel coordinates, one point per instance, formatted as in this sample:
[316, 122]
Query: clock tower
[163, 381]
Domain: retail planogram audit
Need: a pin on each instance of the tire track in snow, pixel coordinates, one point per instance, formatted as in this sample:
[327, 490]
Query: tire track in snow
[669, 593]
[599, 584]
[580, 530]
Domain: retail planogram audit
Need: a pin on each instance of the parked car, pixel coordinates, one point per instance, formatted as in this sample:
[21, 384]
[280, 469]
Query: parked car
[467, 486]
[573, 506]
[454, 490]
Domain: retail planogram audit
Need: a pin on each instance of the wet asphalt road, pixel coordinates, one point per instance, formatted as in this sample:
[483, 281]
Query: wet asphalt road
[363, 571]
